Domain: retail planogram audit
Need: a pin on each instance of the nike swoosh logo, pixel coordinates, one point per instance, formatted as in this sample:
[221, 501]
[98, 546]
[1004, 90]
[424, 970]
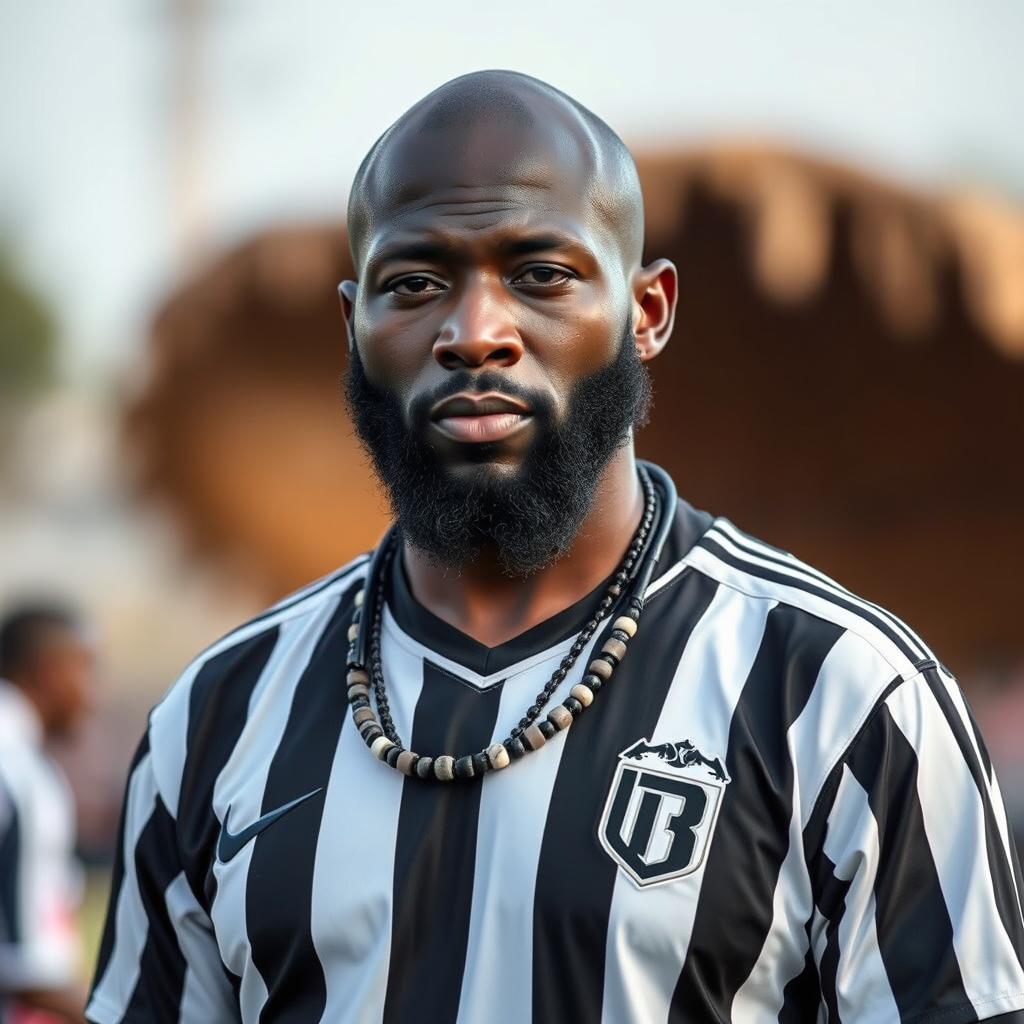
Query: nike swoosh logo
[230, 843]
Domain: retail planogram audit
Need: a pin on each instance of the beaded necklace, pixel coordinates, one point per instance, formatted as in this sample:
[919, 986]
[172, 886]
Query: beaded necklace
[364, 671]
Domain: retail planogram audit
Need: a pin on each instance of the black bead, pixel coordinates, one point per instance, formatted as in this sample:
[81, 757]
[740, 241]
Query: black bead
[611, 659]
[463, 768]
[533, 711]
[573, 706]
[515, 749]
[593, 680]
[371, 732]
[619, 634]
[391, 757]
[547, 728]
[358, 702]
[424, 767]
[481, 764]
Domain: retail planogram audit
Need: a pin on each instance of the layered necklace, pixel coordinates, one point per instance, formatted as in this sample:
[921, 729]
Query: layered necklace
[624, 593]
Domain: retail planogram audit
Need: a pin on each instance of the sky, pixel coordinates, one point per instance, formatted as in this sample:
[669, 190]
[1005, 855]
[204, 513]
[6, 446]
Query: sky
[290, 96]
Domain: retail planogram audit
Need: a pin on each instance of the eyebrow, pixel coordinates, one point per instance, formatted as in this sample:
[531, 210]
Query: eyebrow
[435, 249]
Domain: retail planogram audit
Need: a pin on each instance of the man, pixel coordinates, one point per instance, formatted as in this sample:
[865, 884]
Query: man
[563, 749]
[46, 670]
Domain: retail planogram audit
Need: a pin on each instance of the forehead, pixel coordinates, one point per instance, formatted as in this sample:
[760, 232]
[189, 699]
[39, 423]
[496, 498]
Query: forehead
[488, 179]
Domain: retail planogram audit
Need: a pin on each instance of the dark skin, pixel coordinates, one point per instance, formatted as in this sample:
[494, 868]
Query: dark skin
[512, 248]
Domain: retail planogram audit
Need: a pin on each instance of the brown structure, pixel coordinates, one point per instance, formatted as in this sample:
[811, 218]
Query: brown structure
[846, 380]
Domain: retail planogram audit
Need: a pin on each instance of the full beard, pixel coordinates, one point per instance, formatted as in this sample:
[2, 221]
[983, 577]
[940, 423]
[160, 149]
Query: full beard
[528, 518]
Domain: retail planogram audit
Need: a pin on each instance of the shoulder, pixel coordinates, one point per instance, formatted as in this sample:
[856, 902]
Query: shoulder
[216, 685]
[750, 566]
[825, 659]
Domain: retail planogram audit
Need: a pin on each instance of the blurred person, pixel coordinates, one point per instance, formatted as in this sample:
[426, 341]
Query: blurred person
[46, 669]
[562, 748]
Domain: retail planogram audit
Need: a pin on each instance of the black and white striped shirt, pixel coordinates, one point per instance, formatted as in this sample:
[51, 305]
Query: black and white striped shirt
[780, 809]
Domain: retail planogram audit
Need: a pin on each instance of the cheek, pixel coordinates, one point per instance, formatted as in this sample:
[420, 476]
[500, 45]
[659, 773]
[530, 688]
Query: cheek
[393, 349]
[575, 345]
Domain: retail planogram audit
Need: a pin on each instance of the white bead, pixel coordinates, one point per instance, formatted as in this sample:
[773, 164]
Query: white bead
[626, 624]
[379, 747]
[353, 631]
[359, 599]
[498, 756]
[444, 767]
[584, 694]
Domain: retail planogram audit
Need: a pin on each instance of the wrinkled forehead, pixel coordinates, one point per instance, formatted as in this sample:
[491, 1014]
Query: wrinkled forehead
[473, 172]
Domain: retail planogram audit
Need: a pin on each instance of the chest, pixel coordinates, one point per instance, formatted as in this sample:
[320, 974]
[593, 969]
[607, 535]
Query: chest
[643, 846]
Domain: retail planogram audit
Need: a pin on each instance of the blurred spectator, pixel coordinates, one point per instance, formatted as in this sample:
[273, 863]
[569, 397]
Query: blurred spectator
[47, 662]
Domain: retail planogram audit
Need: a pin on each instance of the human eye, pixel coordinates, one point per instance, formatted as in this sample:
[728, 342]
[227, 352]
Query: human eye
[543, 275]
[414, 285]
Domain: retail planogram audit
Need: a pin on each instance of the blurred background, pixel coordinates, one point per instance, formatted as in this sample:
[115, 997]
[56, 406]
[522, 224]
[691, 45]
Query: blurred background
[842, 187]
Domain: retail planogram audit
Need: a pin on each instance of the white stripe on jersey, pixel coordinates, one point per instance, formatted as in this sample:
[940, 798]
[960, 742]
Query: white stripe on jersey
[241, 782]
[351, 916]
[499, 960]
[641, 968]
[944, 781]
[206, 995]
[114, 989]
[862, 984]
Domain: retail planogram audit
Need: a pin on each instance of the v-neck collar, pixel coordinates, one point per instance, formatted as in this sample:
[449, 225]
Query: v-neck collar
[450, 643]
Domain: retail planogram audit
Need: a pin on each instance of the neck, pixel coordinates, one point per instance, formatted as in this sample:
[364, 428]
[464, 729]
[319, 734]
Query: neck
[479, 599]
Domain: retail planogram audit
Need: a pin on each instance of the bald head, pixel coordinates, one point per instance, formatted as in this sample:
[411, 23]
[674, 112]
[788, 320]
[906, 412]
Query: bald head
[498, 133]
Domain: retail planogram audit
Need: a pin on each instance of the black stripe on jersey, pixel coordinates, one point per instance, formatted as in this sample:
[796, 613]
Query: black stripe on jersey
[10, 876]
[788, 562]
[109, 938]
[157, 995]
[751, 837]
[915, 934]
[986, 760]
[802, 994]
[217, 710]
[435, 855]
[569, 953]
[800, 583]
[999, 866]
[831, 897]
[282, 949]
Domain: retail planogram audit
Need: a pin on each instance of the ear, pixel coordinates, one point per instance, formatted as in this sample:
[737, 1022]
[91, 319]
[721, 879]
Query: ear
[655, 291]
[347, 293]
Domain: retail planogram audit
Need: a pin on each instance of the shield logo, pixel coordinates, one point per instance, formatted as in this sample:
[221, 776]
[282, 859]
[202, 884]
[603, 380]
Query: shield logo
[661, 810]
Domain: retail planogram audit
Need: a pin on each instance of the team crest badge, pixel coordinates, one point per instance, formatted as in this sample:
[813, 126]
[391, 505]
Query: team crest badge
[661, 810]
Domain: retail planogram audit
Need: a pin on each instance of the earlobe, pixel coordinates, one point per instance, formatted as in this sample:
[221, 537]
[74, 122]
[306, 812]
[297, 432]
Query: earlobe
[655, 294]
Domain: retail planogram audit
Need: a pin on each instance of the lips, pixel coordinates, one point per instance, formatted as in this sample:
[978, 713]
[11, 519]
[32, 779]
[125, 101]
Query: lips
[478, 419]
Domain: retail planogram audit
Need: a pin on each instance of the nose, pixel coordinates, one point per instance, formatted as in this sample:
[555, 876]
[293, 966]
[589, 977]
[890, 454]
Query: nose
[479, 331]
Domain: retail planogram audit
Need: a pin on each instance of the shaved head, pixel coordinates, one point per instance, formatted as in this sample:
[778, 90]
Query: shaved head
[500, 130]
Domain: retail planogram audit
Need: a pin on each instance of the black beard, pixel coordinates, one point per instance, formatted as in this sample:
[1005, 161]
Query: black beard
[528, 518]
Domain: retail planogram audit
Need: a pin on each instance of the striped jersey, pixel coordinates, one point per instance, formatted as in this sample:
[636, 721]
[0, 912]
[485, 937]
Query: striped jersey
[779, 809]
[40, 881]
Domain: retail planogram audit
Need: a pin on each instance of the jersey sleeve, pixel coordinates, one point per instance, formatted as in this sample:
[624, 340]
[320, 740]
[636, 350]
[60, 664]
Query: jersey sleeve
[158, 958]
[39, 884]
[916, 885]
